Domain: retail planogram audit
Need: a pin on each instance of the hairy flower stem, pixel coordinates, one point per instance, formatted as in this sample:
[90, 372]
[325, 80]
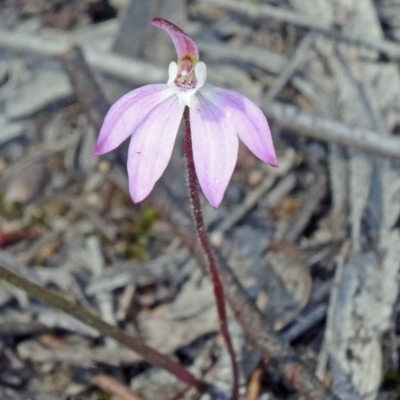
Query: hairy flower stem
[55, 300]
[208, 251]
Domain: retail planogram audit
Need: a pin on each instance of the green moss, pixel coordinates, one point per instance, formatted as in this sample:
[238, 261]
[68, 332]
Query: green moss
[10, 210]
[391, 380]
[138, 235]
[144, 222]
[55, 207]
[103, 396]
[47, 212]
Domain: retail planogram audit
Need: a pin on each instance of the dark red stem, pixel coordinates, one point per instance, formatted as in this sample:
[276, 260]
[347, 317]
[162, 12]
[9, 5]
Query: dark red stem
[53, 299]
[7, 239]
[208, 251]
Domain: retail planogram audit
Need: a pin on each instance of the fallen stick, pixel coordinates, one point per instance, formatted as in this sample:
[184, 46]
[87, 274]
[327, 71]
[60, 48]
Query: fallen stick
[388, 48]
[114, 387]
[130, 69]
[53, 299]
[85, 86]
[137, 71]
[291, 118]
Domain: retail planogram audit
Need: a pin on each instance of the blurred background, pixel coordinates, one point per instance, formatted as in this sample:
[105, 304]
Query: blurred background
[315, 243]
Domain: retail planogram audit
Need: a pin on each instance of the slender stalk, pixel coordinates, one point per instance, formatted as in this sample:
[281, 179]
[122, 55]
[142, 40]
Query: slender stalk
[55, 300]
[208, 252]
[277, 354]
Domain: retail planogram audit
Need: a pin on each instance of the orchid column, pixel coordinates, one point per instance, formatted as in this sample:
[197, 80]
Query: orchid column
[214, 120]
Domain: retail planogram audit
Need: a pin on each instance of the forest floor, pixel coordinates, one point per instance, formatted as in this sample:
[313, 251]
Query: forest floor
[314, 243]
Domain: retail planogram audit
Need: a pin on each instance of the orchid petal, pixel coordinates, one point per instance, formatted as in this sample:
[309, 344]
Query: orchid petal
[248, 120]
[215, 148]
[127, 113]
[186, 95]
[172, 73]
[182, 42]
[201, 74]
[151, 147]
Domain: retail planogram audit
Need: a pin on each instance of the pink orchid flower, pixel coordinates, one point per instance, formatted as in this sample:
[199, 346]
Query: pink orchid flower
[151, 116]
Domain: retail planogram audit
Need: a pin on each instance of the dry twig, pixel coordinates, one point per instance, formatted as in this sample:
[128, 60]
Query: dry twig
[114, 387]
[386, 47]
[85, 86]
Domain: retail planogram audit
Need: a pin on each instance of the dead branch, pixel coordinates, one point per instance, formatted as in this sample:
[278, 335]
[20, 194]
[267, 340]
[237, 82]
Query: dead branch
[270, 61]
[85, 86]
[286, 116]
[132, 70]
[290, 117]
[253, 11]
[52, 298]
[114, 387]
[290, 67]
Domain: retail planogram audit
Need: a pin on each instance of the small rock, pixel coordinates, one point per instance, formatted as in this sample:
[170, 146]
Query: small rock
[26, 185]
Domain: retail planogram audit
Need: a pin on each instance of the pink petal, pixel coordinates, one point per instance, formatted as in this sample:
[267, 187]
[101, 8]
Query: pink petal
[151, 147]
[182, 42]
[127, 113]
[215, 147]
[248, 120]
